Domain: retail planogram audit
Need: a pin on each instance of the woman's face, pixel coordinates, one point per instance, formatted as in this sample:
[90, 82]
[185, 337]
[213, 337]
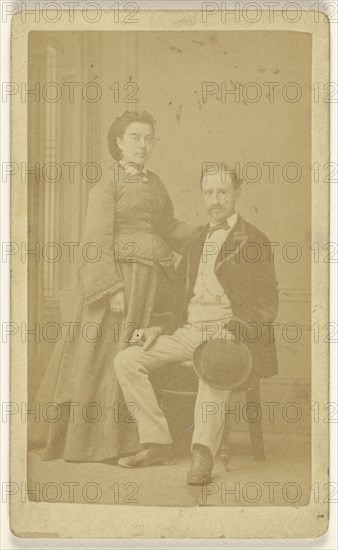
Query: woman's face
[137, 143]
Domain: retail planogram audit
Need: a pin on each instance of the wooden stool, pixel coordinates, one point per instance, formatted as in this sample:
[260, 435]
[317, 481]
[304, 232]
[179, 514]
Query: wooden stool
[181, 380]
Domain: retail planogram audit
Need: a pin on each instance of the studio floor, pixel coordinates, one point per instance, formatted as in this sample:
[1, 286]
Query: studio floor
[284, 479]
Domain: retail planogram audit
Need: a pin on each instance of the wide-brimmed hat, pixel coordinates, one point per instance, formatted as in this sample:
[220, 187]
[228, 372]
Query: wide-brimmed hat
[222, 365]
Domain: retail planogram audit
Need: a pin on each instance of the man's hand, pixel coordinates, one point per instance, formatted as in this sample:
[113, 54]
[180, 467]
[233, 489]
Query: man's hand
[146, 335]
[225, 336]
[117, 302]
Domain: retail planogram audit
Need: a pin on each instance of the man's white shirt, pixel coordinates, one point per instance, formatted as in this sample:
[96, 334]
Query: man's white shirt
[209, 302]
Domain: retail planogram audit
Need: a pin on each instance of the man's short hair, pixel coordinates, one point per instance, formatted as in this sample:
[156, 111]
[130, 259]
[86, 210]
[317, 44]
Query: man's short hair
[222, 169]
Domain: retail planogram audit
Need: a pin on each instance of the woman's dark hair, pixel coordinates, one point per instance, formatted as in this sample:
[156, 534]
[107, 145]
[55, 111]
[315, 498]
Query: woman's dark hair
[120, 125]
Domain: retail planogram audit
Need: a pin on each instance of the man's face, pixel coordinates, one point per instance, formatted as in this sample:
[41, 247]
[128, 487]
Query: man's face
[219, 197]
[137, 143]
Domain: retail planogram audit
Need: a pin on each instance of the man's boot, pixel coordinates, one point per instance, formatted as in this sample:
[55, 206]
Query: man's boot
[201, 466]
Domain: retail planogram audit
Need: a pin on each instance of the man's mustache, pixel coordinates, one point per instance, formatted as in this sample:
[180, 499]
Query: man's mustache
[216, 207]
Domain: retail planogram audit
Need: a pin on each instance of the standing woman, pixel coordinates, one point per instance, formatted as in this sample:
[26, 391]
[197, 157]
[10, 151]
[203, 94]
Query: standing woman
[129, 236]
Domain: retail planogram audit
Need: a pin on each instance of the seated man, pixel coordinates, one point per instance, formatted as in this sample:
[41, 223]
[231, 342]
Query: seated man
[226, 278]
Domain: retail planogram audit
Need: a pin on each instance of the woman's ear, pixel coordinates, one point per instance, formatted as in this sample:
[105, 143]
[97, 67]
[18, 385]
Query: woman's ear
[119, 142]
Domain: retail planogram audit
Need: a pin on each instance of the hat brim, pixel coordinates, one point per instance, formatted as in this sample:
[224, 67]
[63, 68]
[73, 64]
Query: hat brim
[243, 373]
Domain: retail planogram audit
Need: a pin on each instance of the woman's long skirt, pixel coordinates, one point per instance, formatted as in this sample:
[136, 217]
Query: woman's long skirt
[83, 415]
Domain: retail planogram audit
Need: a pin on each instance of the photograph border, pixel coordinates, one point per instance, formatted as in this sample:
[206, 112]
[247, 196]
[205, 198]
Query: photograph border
[29, 519]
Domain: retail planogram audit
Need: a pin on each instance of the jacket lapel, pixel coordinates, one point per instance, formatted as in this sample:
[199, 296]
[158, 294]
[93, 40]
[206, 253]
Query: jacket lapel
[233, 244]
[231, 248]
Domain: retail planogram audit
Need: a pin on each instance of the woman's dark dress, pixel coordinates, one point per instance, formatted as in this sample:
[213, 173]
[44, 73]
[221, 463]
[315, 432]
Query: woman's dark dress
[131, 228]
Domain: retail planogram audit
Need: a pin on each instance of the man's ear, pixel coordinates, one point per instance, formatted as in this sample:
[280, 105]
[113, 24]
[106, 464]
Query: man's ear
[238, 193]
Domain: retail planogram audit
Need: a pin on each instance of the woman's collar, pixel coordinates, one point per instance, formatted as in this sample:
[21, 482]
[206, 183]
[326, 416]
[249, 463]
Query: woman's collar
[132, 169]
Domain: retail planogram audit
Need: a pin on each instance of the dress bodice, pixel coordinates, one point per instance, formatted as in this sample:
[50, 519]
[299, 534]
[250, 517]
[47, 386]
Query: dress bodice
[129, 219]
[142, 213]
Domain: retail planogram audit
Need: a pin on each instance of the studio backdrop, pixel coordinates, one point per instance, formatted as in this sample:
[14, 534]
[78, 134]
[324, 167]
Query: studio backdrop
[234, 97]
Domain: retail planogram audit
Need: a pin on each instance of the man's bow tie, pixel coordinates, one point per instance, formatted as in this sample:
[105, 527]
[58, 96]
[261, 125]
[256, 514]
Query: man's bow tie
[224, 225]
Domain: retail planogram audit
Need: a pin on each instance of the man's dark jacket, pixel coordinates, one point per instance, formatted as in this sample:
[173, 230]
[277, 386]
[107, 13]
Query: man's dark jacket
[245, 269]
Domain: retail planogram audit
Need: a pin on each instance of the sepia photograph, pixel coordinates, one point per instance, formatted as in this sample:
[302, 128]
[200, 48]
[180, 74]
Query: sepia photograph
[175, 261]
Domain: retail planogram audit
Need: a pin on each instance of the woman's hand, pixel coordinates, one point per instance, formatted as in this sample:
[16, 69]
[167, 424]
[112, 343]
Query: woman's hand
[147, 336]
[117, 303]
